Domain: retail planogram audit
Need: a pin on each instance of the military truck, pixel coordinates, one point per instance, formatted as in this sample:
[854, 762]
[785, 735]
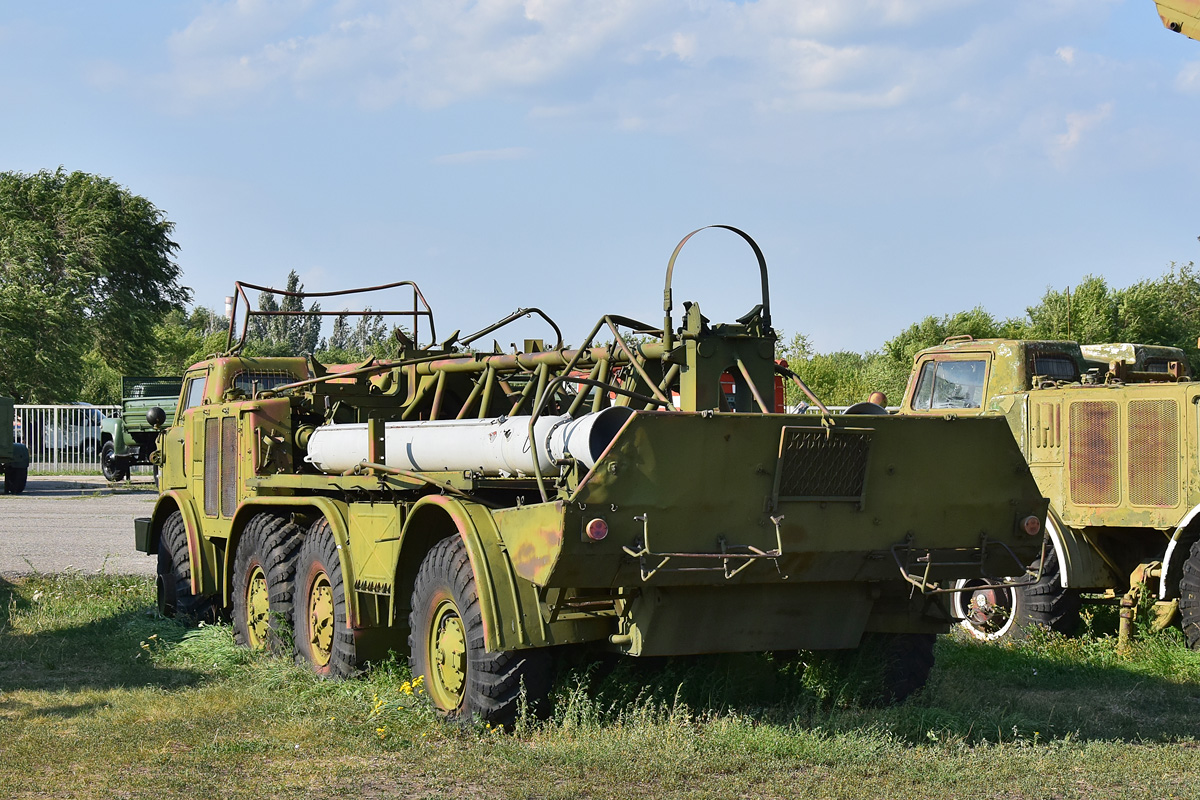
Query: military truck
[128, 439]
[1113, 449]
[1126, 361]
[14, 456]
[478, 510]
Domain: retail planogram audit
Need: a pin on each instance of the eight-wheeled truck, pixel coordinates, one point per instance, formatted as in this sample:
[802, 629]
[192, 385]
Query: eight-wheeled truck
[477, 509]
[1112, 434]
[14, 456]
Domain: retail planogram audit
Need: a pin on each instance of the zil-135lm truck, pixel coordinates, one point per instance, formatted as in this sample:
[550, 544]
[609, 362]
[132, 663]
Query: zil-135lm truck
[1112, 433]
[476, 510]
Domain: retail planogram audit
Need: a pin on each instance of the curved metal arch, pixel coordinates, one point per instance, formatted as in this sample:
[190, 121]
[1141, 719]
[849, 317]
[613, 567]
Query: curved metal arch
[420, 309]
[762, 271]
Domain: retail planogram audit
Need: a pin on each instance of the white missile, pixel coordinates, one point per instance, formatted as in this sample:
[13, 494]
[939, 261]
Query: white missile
[498, 446]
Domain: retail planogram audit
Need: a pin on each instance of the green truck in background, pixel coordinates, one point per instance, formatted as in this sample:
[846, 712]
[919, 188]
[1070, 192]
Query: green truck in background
[479, 510]
[128, 439]
[1112, 435]
[14, 456]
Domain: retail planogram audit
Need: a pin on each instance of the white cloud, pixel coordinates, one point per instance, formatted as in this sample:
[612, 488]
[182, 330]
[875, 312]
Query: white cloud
[1188, 78]
[1079, 123]
[475, 156]
[438, 52]
[928, 70]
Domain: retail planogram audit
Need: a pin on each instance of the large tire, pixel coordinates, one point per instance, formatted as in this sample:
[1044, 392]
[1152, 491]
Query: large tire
[174, 579]
[324, 640]
[114, 469]
[15, 479]
[1189, 598]
[264, 580]
[446, 644]
[993, 612]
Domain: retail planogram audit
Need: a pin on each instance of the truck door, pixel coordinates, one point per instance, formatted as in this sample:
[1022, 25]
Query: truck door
[178, 452]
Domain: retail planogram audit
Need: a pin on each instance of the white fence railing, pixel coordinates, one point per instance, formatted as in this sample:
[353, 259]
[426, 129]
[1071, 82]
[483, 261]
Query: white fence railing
[62, 438]
[67, 438]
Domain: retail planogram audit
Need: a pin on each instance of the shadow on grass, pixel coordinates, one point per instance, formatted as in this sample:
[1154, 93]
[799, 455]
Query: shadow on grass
[42, 648]
[1045, 690]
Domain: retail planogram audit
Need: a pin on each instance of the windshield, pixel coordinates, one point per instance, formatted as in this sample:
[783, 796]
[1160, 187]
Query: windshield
[950, 384]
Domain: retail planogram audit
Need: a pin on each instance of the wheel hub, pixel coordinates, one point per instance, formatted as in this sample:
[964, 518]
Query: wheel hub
[320, 620]
[989, 609]
[449, 655]
[258, 609]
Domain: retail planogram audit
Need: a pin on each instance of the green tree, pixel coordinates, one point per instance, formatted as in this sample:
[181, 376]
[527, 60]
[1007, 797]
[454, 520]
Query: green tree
[934, 330]
[183, 339]
[1164, 311]
[86, 271]
[285, 335]
[1089, 314]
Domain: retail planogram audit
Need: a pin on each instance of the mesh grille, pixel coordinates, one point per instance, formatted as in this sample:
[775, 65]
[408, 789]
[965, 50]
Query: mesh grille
[1153, 453]
[814, 465]
[1093, 454]
[212, 466]
[229, 462]
[262, 379]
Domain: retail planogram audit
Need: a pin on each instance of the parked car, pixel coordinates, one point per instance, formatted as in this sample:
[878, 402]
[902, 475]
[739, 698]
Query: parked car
[73, 431]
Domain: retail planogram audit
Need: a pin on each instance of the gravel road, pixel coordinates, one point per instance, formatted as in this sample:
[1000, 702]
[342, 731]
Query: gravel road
[74, 523]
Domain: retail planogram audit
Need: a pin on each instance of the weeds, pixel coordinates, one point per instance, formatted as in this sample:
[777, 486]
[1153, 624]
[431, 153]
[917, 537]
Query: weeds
[130, 703]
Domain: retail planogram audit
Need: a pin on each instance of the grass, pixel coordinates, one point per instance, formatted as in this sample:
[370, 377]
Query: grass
[100, 697]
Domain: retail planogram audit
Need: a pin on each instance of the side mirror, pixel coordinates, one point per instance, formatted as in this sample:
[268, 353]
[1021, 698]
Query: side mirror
[156, 417]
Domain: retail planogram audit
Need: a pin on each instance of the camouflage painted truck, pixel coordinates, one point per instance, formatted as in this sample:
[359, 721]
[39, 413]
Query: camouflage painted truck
[1112, 434]
[14, 456]
[477, 510]
[129, 438]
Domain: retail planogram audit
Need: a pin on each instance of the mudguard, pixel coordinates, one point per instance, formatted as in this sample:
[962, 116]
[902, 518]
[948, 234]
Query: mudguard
[502, 595]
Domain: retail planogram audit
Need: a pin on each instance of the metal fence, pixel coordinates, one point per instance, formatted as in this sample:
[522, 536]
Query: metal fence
[66, 439]
[62, 439]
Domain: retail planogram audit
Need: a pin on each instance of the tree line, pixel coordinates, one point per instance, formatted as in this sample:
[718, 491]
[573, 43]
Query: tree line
[90, 291]
[1164, 310]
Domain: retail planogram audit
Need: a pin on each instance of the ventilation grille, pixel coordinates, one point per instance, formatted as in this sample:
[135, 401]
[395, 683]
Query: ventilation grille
[1092, 454]
[229, 464]
[1153, 453]
[816, 464]
[212, 466]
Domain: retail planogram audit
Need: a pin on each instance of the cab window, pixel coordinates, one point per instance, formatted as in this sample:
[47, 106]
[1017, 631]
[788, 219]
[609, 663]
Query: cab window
[1056, 367]
[193, 392]
[950, 384]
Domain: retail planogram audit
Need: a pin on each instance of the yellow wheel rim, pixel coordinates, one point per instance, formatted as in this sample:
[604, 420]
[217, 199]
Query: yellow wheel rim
[320, 620]
[258, 609]
[447, 650]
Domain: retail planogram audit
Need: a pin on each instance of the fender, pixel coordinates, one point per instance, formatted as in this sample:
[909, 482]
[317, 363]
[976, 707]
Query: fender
[511, 615]
[119, 439]
[1177, 553]
[334, 511]
[181, 500]
[1080, 566]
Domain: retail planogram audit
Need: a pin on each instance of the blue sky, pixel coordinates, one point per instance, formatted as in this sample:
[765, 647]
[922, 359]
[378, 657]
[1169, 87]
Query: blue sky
[893, 158]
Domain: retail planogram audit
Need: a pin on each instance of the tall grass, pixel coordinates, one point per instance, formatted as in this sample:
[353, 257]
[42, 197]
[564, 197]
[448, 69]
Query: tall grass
[100, 697]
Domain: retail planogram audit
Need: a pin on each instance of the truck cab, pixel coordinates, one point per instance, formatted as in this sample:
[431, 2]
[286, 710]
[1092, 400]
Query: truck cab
[1110, 434]
[964, 375]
